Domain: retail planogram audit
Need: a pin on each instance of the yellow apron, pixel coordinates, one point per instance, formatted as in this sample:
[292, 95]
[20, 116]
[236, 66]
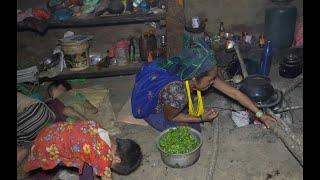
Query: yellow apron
[200, 109]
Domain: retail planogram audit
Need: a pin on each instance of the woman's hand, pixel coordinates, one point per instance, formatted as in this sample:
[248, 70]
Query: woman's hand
[267, 120]
[210, 115]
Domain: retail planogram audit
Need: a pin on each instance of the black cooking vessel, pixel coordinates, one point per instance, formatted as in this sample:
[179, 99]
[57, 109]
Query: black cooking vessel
[257, 87]
[291, 66]
[115, 7]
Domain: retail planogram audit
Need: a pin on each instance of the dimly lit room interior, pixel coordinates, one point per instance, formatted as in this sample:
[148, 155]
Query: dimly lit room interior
[160, 89]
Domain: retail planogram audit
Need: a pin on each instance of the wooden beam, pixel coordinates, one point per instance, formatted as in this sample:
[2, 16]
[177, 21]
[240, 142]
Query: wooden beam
[174, 27]
[99, 21]
[96, 73]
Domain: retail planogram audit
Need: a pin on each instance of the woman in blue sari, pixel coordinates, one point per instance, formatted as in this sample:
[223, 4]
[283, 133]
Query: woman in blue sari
[162, 90]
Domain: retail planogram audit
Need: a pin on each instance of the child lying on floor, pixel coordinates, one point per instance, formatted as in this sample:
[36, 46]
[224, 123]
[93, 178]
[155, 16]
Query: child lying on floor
[59, 89]
[86, 146]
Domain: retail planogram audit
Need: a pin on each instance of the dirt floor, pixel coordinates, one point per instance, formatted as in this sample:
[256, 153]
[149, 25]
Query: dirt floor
[228, 152]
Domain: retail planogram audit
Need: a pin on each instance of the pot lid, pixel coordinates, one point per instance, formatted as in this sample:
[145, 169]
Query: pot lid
[292, 57]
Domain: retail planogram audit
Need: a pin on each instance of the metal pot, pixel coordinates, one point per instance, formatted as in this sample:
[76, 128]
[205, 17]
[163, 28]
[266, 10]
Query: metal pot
[180, 160]
[115, 7]
[257, 87]
[291, 66]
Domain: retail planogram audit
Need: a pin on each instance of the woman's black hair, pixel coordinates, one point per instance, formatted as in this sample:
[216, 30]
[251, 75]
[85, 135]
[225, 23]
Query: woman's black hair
[130, 154]
[64, 83]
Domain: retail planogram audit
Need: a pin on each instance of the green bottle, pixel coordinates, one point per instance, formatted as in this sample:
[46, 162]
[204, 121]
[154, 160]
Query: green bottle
[132, 51]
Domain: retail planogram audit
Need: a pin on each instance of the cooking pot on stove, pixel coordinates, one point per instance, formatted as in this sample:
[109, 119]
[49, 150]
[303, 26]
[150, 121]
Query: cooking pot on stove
[257, 87]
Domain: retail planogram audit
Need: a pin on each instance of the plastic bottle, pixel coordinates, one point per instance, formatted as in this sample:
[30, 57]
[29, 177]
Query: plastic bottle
[163, 50]
[266, 59]
[122, 53]
[262, 40]
[132, 51]
[150, 56]
[221, 30]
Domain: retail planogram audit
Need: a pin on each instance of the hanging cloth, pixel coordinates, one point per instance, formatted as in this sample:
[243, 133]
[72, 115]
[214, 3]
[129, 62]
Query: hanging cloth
[200, 108]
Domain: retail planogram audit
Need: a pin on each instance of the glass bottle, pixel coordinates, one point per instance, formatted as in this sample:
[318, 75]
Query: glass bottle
[132, 50]
[221, 30]
[262, 40]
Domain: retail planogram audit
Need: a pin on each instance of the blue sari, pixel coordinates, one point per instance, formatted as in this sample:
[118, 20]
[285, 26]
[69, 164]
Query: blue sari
[150, 80]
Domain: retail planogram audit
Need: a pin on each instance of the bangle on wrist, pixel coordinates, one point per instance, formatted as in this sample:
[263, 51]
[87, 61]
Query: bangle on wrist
[259, 114]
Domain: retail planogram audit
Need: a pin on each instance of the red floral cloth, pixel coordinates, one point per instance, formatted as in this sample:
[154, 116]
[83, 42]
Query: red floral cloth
[71, 145]
[41, 13]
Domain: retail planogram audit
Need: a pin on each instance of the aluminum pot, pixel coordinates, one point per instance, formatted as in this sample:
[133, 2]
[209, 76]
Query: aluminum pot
[257, 87]
[180, 160]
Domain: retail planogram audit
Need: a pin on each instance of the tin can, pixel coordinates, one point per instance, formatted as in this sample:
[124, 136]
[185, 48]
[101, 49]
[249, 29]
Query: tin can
[229, 45]
[195, 22]
[248, 38]
[228, 35]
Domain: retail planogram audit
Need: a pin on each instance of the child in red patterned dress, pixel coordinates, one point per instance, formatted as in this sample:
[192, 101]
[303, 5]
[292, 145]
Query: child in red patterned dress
[86, 146]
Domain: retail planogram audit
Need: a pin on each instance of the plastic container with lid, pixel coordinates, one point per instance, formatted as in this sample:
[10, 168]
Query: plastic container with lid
[280, 21]
[122, 52]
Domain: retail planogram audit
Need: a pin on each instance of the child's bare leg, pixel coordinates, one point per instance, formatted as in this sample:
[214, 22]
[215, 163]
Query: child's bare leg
[21, 154]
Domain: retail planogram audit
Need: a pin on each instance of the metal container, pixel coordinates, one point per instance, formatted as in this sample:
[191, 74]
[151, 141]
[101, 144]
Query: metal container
[180, 160]
[76, 52]
[195, 22]
[291, 66]
[163, 41]
[228, 35]
[257, 87]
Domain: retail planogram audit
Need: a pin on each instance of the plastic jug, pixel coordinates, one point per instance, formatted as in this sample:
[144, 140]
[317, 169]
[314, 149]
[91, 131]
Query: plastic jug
[280, 21]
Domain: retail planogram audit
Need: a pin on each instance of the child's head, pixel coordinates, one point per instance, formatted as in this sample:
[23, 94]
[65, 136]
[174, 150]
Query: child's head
[56, 88]
[126, 157]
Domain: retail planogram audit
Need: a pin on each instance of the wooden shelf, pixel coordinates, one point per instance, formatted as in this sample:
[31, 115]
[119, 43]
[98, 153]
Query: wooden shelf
[100, 20]
[93, 72]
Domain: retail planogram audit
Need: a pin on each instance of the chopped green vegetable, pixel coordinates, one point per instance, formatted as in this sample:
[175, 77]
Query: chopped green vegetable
[178, 141]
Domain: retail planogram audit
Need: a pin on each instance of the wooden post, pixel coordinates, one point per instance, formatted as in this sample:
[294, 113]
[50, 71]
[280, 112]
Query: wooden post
[174, 27]
[293, 143]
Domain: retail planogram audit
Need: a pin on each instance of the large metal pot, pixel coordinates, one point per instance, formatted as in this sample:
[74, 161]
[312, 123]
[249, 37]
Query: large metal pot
[115, 7]
[257, 88]
[180, 160]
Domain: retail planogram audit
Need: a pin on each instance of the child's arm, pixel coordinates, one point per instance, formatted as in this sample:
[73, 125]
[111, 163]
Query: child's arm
[69, 111]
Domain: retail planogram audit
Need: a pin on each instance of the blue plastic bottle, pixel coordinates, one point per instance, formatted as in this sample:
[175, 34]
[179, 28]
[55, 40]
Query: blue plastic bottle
[266, 59]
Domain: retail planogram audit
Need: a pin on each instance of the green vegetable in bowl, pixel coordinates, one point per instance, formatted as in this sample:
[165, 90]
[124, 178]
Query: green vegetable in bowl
[178, 141]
